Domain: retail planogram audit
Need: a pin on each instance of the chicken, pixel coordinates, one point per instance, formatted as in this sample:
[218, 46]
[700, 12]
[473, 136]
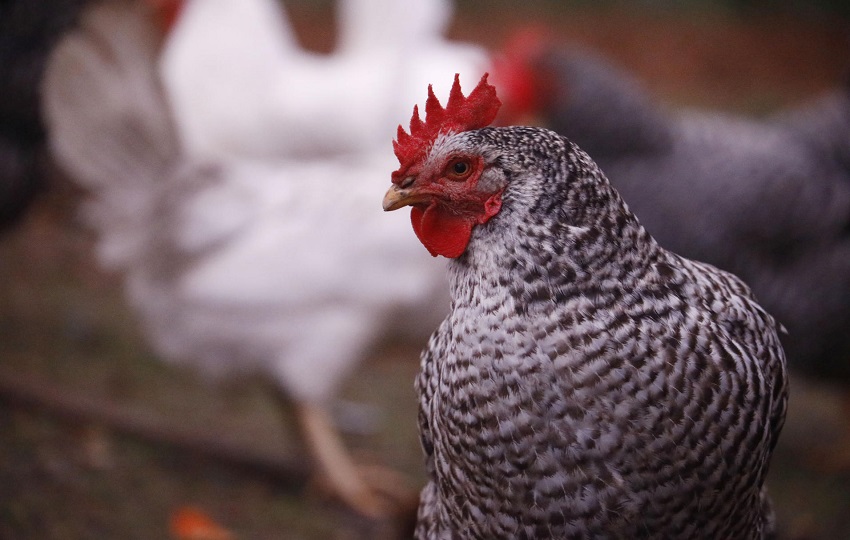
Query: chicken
[235, 264]
[28, 30]
[264, 95]
[768, 200]
[587, 382]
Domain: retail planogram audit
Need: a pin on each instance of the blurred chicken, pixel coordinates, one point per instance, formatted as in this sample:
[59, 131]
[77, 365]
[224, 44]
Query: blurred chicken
[28, 30]
[766, 199]
[264, 95]
[237, 261]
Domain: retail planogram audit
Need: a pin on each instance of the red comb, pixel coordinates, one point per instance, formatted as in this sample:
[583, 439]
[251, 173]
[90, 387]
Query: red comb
[461, 113]
[167, 12]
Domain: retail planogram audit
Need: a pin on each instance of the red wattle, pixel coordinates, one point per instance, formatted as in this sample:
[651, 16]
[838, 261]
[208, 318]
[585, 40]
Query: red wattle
[440, 231]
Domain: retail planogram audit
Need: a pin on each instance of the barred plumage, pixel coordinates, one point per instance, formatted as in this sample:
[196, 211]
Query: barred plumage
[767, 199]
[587, 382]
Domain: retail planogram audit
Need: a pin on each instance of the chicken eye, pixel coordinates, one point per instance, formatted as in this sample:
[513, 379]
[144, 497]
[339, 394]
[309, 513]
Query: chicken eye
[458, 169]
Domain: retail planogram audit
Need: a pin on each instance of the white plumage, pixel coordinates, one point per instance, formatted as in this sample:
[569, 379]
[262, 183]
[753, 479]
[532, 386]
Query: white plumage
[240, 82]
[245, 215]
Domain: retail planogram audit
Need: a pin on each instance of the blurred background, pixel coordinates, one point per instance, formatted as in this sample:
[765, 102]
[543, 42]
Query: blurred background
[100, 439]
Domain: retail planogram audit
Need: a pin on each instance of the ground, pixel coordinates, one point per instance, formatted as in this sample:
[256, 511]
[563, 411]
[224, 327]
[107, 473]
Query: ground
[120, 440]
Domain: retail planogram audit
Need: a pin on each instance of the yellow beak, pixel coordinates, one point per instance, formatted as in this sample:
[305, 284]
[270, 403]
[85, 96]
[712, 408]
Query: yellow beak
[397, 197]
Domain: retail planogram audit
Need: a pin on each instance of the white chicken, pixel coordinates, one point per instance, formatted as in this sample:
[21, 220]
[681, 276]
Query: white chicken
[236, 260]
[240, 83]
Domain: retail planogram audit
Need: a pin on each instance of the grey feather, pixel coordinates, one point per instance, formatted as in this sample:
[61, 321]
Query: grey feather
[589, 383]
[768, 200]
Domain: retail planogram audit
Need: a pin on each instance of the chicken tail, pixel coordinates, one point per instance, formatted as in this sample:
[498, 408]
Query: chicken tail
[108, 122]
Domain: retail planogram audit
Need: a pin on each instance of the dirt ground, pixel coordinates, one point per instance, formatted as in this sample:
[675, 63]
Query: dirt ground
[120, 440]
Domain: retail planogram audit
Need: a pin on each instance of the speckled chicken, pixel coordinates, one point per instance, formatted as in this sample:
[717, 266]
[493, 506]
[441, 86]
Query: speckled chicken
[587, 382]
[767, 199]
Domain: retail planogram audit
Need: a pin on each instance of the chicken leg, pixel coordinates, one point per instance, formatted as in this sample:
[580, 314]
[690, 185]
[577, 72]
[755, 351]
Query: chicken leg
[372, 491]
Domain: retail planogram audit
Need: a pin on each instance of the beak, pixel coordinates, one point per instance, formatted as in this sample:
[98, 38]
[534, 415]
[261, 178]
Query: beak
[397, 197]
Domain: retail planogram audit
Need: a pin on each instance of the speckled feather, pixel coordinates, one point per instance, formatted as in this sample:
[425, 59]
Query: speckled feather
[767, 199]
[587, 382]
